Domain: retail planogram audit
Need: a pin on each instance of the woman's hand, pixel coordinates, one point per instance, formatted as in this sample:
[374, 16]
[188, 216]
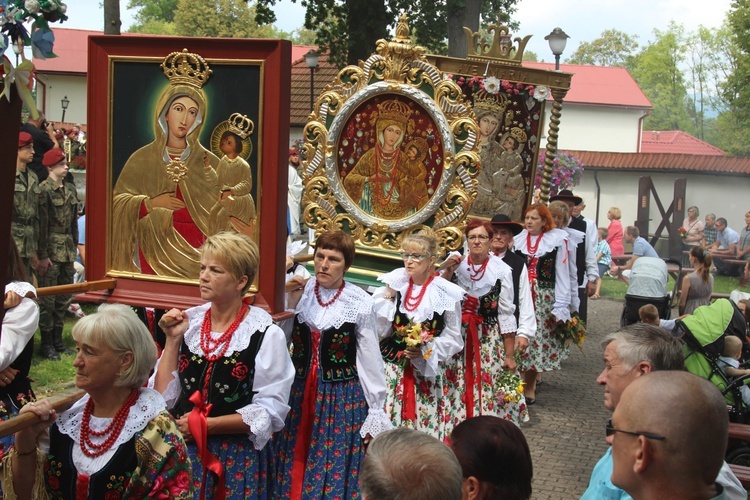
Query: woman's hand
[413, 352]
[174, 323]
[368, 439]
[294, 289]
[12, 299]
[7, 376]
[168, 201]
[510, 363]
[182, 424]
[26, 439]
[449, 266]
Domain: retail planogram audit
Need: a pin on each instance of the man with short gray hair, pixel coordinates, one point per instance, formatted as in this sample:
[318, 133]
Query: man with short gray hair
[406, 464]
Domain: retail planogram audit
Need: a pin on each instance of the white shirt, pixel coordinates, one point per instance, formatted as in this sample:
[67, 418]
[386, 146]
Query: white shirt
[526, 316]
[19, 323]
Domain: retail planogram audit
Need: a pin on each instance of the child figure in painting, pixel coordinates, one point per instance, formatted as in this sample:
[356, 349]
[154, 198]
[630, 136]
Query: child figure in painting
[233, 178]
[413, 187]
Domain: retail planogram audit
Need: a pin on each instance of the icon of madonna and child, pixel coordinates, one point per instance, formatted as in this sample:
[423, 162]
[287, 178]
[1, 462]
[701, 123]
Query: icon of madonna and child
[399, 169]
[173, 193]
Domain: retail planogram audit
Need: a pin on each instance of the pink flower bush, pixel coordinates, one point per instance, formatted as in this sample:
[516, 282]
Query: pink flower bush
[567, 172]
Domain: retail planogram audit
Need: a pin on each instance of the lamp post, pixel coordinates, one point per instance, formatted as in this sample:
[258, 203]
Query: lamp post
[64, 102]
[557, 41]
[311, 58]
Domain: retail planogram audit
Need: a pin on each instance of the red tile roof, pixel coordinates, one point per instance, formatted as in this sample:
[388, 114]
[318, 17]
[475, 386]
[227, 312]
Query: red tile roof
[665, 162]
[676, 141]
[600, 86]
[325, 74]
[71, 48]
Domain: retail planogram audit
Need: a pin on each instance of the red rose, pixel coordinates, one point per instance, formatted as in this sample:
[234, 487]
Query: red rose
[112, 495]
[240, 371]
[53, 482]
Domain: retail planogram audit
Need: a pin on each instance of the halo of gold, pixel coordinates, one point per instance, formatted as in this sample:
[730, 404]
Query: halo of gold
[215, 142]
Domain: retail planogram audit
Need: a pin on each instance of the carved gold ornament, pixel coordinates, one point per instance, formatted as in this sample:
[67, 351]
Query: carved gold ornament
[176, 170]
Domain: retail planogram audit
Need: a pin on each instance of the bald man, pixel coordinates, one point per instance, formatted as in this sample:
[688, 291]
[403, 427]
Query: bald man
[669, 437]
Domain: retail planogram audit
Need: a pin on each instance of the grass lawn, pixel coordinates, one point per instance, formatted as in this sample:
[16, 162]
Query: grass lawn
[615, 289]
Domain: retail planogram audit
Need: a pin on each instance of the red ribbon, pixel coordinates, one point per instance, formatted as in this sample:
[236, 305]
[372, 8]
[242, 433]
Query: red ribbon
[409, 408]
[472, 358]
[198, 425]
[532, 277]
[82, 487]
[304, 431]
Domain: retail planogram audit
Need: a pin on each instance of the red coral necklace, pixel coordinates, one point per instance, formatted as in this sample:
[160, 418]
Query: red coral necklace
[209, 345]
[335, 297]
[112, 431]
[411, 303]
[477, 273]
[533, 248]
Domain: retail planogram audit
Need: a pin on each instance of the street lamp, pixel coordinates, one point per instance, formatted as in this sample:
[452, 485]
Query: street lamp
[311, 58]
[64, 102]
[557, 41]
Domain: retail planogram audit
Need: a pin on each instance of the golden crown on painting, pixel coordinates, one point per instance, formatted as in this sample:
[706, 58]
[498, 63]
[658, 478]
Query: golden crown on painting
[490, 105]
[518, 135]
[394, 110]
[186, 68]
[241, 125]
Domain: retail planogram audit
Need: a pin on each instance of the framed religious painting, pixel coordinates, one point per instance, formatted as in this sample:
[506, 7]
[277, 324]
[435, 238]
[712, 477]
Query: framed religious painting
[177, 154]
[391, 148]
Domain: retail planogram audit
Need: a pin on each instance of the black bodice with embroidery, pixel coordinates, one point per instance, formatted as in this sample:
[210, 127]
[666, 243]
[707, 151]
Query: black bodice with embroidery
[392, 345]
[545, 268]
[338, 351]
[231, 383]
[18, 392]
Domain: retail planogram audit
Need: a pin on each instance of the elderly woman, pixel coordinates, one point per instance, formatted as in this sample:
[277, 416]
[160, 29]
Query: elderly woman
[118, 440]
[226, 373]
[418, 319]
[339, 389]
[494, 457]
[473, 377]
[17, 341]
[546, 251]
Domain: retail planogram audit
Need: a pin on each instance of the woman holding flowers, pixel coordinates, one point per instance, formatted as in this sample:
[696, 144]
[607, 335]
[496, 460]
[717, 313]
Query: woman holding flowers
[545, 249]
[482, 379]
[339, 387]
[418, 318]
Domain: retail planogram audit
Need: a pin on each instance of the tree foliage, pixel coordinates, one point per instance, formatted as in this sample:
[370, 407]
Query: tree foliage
[152, 10]
[612, 48]
[219, 18]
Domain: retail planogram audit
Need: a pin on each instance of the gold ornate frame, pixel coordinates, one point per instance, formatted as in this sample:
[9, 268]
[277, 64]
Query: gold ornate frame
[398, 70]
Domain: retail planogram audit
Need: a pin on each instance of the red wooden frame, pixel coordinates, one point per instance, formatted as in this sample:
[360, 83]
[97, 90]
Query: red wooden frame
[276, 77]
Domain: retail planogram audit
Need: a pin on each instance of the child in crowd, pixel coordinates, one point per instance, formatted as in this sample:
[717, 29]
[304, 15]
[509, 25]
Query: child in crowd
[650, 314]
[603, 258]
[730, 363]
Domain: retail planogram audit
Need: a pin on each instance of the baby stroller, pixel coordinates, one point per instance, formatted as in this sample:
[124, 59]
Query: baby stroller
[648, 285]
[703, 336]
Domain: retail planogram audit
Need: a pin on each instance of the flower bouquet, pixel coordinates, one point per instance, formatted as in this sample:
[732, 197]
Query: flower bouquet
[415, 335]
[682, 232]
[573, 330]
[509, 387]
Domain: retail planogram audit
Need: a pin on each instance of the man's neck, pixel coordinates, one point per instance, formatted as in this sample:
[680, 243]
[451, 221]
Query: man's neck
[20, 167]
[58, 181]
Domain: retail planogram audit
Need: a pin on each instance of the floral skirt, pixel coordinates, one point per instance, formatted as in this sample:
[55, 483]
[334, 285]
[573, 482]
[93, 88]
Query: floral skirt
[547, 349]
[247, 472]
[430, 406]
[336, 448]
[493, 396]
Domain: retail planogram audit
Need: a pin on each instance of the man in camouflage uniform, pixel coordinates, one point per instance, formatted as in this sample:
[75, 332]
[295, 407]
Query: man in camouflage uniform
[58, 236]
[25, 220]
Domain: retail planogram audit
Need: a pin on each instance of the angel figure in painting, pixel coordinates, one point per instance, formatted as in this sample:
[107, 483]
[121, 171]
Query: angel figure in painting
[233, 178]
[374, 182]
[162, 198]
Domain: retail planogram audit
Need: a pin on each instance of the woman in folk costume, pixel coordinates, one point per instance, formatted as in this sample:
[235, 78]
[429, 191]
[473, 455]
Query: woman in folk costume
[546, 251]
[418, 318]
[339, 388]
[473, 378]
[119, 440]
[226, 373]
[162, 198]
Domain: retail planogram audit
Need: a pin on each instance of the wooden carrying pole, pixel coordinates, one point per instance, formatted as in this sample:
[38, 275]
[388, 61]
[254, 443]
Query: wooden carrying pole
[21, 422]
[86, 286]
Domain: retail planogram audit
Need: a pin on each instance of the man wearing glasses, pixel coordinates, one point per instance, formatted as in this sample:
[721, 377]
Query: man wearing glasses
[669, 437]
[630, 353]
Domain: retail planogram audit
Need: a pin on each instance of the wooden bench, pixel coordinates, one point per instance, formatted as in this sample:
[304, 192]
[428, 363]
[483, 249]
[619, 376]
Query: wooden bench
[743, 474]
[739, 432]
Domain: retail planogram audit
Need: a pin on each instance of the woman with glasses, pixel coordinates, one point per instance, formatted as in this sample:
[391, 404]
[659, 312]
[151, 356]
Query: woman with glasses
[545, 249]
[475, 379]
[339, 387]
[418, 318]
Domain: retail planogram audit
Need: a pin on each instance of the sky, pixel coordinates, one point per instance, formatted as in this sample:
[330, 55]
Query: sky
[582, 20]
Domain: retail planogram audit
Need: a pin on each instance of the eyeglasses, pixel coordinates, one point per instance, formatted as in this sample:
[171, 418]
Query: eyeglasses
[480, 237]
[418, 257]
[611, 430]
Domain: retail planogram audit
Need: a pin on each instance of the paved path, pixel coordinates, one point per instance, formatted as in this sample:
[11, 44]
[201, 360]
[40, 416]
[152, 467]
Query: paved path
[566, 429]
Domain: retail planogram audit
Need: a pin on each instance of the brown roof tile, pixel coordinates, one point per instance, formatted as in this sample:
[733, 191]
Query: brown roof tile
[300, 96]
[707, 164]
[676, 141]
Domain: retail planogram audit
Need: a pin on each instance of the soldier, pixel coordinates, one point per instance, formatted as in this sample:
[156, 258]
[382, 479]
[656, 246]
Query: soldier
[58, 236]
[25, 220]
[72, 146]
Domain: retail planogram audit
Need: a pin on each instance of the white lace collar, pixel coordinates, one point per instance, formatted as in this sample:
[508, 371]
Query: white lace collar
[550, 240]
[496, 269]
[256, 320]
[441, 294]
[351, 304]
[575, 236]
[149, 405]
[21, 288]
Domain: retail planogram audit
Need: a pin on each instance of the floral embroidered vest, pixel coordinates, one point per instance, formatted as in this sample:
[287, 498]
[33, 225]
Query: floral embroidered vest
[338, 352]
[391, 347]
[231, 384]
[545, 269]
[18, 392]
[488, 305]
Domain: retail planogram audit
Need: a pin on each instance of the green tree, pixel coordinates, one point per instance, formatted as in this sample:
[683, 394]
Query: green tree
[152, 10]
[612, 48]
[219, 18]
